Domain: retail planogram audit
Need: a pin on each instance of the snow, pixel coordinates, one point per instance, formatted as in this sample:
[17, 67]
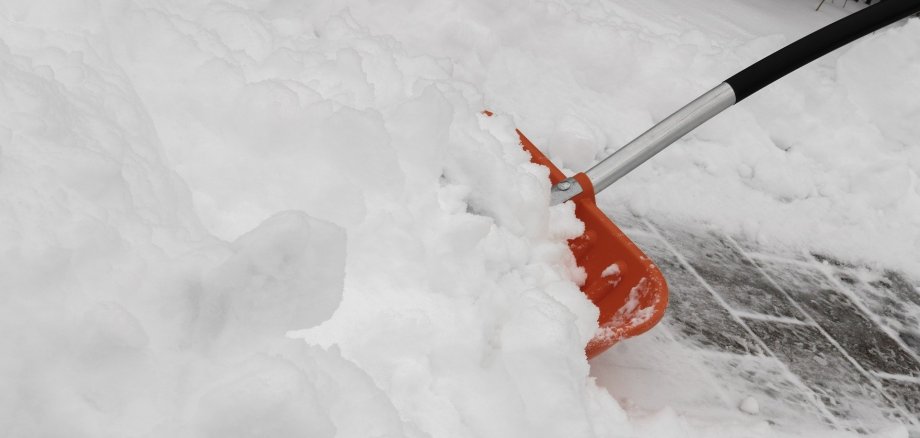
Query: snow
[274, 218]
[611, 271]
[749, 406]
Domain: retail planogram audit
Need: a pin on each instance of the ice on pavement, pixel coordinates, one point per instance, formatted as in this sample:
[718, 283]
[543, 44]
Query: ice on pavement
[182, 184]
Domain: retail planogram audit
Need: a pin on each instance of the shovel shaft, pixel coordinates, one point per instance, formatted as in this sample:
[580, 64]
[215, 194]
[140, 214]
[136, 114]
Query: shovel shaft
[733, 90]
[660, 136]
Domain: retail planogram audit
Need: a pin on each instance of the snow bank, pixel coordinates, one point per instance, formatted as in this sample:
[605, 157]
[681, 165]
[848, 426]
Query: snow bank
[182, 183]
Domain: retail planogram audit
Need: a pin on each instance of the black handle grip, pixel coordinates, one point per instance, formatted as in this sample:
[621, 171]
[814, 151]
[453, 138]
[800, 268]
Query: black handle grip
[818, 44]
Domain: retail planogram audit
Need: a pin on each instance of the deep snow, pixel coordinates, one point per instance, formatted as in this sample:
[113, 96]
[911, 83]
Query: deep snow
[182, 183]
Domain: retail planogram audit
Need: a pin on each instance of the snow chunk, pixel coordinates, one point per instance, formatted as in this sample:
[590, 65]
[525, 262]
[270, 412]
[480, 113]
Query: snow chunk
[749, 406]
[288, 272]
[611, 271]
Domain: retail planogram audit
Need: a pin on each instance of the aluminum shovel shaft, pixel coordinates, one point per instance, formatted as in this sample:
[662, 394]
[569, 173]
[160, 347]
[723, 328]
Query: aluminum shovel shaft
[660, 136]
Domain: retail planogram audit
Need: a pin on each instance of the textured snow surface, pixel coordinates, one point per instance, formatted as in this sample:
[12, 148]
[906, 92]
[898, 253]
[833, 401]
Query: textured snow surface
[184, 183]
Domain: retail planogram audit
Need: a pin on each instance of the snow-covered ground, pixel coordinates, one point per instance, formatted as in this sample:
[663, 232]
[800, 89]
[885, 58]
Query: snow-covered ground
[183, 183]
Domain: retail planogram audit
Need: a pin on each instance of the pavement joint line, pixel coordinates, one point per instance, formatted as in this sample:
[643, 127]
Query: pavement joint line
[774, 258]
[897, 377]
[772, 318]
[808, 392]
[717, 354]
[914, 421]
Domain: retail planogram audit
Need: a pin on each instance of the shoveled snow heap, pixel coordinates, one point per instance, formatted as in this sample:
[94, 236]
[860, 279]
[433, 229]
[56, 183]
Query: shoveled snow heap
[183, 183]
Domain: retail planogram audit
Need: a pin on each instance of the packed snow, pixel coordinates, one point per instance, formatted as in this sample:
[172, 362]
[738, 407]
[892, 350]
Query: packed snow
[281, 218]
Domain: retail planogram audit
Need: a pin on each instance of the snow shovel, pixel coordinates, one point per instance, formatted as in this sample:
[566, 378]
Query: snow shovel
[625, 285]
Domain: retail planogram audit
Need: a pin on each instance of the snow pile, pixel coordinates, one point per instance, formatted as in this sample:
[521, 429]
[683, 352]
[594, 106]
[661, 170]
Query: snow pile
[183, 183]
[350, 177]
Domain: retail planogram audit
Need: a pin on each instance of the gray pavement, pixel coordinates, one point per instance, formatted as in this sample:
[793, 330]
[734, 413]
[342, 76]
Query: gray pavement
[814, 340]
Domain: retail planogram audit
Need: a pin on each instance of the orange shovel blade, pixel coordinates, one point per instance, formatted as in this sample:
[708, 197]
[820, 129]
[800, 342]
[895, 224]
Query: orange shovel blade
[625, 285]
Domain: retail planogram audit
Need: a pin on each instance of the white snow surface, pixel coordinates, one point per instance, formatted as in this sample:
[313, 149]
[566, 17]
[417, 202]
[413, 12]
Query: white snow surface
[182, 183]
